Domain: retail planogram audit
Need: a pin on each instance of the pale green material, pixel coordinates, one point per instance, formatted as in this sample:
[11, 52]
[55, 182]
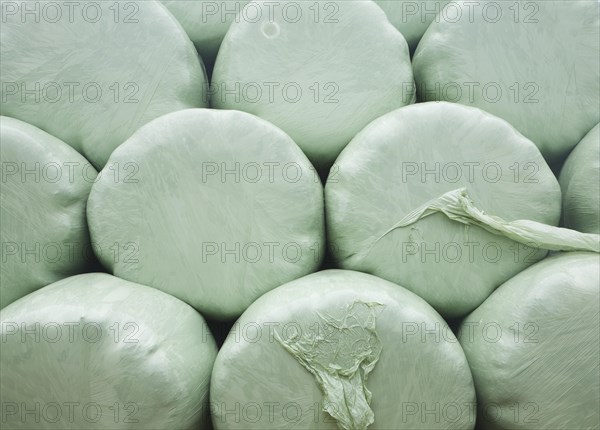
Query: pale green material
[412, 17]
[320, 71]
[534, 63]
[44, 188]
[580, 183]
[406, 159]
[123, 355]
[457, 206]
[206, 22]
[533, 347]
[303, 351]
[220, 207]
[91, 73]
[342, 361]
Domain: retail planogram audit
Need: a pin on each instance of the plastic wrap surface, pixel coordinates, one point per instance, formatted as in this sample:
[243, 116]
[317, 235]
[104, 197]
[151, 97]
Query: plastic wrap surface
[94, 351]
[533, 347]
[91, 73]
[218, 208]
[310, 72]
[341, 349]
[44, 190]
[411, 17]
[406, 159]
[533, 63]
[580, 183]
[205, 22]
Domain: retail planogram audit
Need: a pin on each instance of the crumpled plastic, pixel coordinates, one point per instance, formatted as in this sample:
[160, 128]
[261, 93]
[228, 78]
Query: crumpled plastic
[458, 206]
[411, 156]
[341, 361]
[299, 357]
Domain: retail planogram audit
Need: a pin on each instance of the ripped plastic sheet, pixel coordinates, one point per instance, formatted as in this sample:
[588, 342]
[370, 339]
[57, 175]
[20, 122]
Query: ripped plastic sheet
[308, 355]
[341, 359]
[458, 206]
[411, 157]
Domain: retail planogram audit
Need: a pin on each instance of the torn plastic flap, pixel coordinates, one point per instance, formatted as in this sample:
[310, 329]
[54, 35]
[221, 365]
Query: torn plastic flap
[340, 353]
[458, 206]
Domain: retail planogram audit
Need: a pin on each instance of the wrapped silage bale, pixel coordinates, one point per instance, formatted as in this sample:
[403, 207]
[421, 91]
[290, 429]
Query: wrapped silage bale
[533, 347]
[341, 349]
[533, 63]
[91, 73]
[94, 351]
[221, 207]
[43, 195]
[447, 201]
[412, 17]
[580, 183]
[319, 70]
[206, 22]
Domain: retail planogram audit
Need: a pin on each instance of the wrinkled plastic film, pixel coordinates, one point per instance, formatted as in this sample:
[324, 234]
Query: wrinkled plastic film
[458, 206]
[341, 356]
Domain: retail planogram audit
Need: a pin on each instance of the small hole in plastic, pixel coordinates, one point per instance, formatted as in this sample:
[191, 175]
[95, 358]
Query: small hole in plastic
[270, 29]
